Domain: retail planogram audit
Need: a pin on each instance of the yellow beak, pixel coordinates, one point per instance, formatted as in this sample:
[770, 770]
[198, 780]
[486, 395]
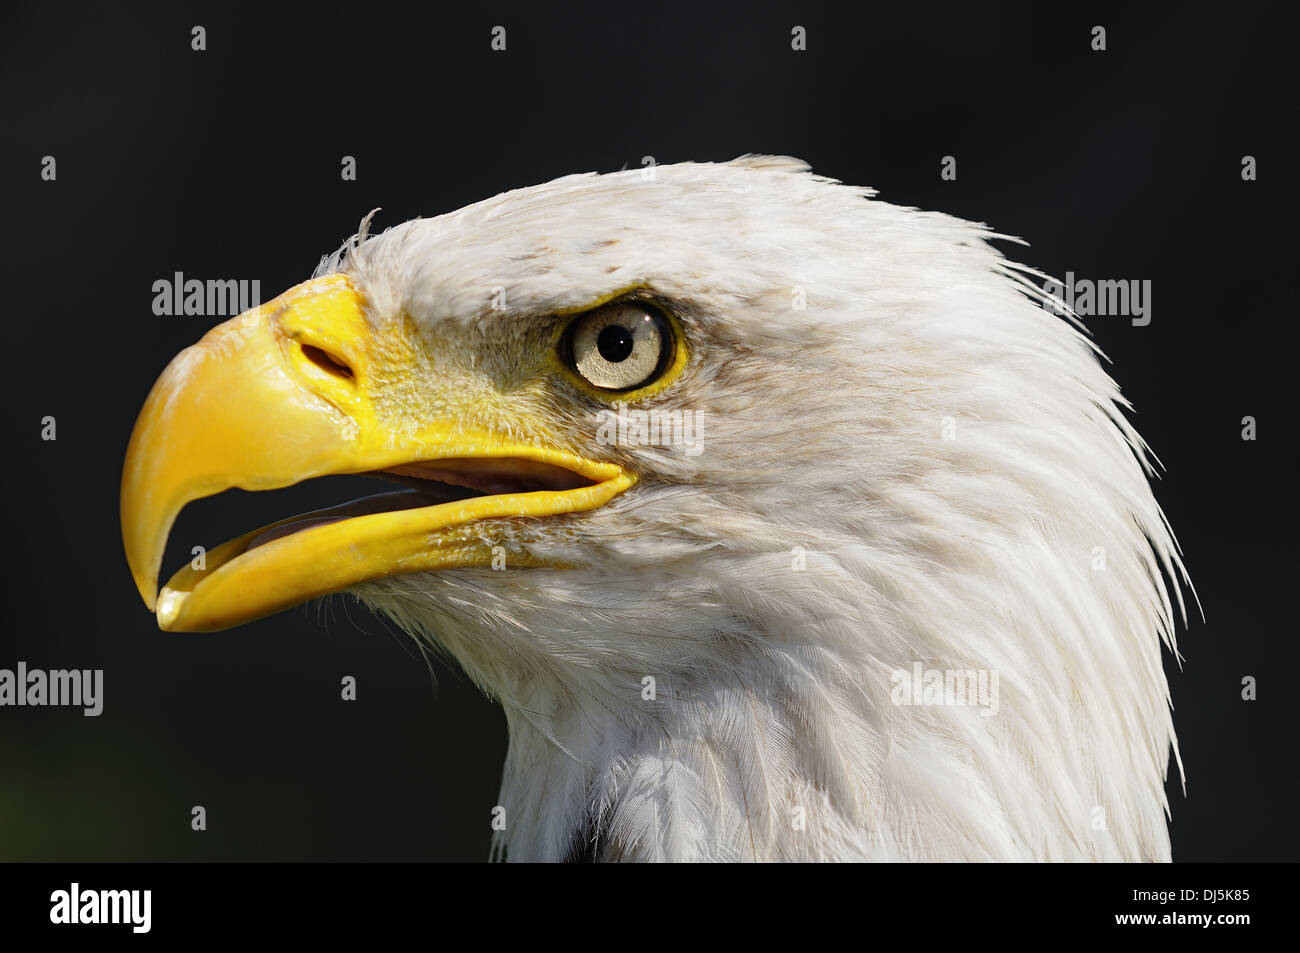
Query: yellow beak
[287, 392]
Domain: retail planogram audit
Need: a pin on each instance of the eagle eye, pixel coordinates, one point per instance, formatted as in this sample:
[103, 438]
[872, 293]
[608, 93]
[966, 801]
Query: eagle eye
[620, 346]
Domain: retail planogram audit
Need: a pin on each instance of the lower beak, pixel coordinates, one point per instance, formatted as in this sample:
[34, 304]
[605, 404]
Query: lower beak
[284, 393]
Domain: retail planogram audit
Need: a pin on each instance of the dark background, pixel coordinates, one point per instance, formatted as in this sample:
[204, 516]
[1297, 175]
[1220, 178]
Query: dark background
[225, 164]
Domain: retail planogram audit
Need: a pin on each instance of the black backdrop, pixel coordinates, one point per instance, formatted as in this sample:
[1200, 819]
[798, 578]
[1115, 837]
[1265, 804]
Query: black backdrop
[225, 163]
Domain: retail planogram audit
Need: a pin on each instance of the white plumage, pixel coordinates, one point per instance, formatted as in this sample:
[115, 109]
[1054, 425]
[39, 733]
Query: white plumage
[950, 456]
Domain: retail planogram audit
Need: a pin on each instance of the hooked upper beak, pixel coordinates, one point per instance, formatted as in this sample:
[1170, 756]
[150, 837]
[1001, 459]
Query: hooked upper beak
[287, 392]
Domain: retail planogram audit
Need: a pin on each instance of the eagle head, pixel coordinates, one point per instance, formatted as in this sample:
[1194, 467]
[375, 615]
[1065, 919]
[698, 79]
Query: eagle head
[718, 477]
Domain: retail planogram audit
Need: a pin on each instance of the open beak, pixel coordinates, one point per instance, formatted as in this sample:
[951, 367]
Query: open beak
[287, 392]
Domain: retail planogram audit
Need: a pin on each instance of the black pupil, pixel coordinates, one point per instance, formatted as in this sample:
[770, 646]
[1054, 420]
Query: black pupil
[614, 343]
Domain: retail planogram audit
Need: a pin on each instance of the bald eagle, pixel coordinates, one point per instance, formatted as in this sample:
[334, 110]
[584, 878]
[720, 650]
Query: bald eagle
[897, 592]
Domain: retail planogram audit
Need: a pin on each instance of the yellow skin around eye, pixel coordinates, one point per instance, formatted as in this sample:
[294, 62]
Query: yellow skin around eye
[676, 362]
[637, 366]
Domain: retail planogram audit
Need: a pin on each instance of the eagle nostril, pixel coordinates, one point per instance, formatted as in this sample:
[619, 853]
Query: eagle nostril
[326, 361]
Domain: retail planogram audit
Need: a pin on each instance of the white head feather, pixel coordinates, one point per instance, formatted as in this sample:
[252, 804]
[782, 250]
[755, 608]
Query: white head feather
[774, 734]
